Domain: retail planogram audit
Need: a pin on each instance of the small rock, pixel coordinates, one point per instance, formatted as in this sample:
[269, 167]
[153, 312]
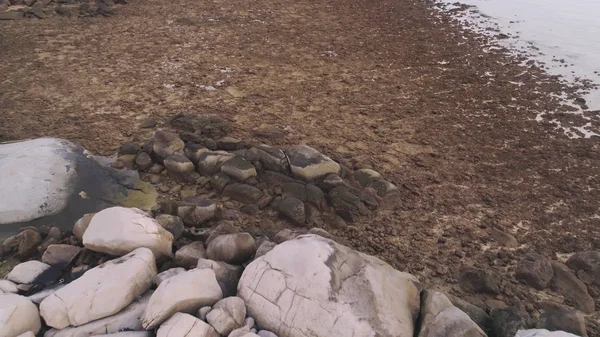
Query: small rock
[171, 223]
[535, 271]
[271, 158]
[231, 248]
[144, 162]
[161, 277]
[222, 228]
[129, 148]
[179, 167]
[589, 262]
[567, 284]
[45, 244]
[504, 239]
[366, 176]
[346, 204]
[210, 162]
[249, 322]
[564, 319]
[188, 255]
[309, 164]
[28, 242]
[230, 144]
[166, 144]
[331, 181]
[194, 151]
[227, 314]
[55, 233]
[238, 168]
[196, 211]
[477, 281]
[147, 123]
[27, 272]
[243, 193]
[126, 160]
[7, 286]
[285, 235]
[18, 315]
[478, 315]
[185, 325]
[203, 312]
[293, 210]
[219, 181]
[186, 292]
[250, 209]
[264, 248]
[227, 275]
[60, 254]
[505, 322]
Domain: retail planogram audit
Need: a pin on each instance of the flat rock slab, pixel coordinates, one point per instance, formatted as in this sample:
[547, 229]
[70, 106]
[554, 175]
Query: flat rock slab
[238, 168]
[102, 291]
[309, 164]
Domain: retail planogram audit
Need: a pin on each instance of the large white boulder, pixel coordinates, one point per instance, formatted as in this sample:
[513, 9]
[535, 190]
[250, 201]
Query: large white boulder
[543, 333]
[312, 286]
[120, 230]
[18, 315]
[37, 177]
[440, 318]
[27, 272]
[102, 291]
[185, 325]
[186, 292]
[129, 319]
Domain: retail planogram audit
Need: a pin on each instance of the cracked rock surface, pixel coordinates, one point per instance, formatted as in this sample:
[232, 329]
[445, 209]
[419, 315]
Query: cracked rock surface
[101, 292]
[227, 314]
[312, 286]
[17, 315]
[119, 230]
[185, 325]
[186, 292]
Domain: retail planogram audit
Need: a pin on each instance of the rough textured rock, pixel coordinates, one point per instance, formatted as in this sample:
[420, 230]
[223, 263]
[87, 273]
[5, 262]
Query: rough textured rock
[243, 193]
[331, 290]
[231, 248]
[309, 164]
[60, 254]
[17, 315]
[186, 292]
[227, 275]
[587, 261]
[563, 319]
[196, 211]
[366, 176]
[384, 188]
[543, 333]
[81, 225]
[567, 284]
[238, 168]
[101, 291]
[127, 319]
[293, 210]
[194, 151]
[505, 321]
[143, 161]
[27, 272]
[28, 242]
[219, 181]
[188, 255]
[346, 204]
[477, 280]
[171, 223]
[227, 314]
[285, 235]
[210, 162]
[179, 167]
[439, 318]
[7, 286]
[158, 279]
[271, 158]
[535, 271]
[477, 315]
[119, 230]
[166, 144]
[185, 325]
[36, 179]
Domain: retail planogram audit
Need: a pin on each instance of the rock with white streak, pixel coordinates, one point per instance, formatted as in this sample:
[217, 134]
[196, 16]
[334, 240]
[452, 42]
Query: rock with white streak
[227, 275]
[102, 291]
[27, 272]
[227, 314]
[185, 325]
[309, 164]
[158, 279]
[8, 286]
[186, 292]
[119, 230]
[129, 318]
[312, 286]
[18, 315]
[440, 318]
[543, 333]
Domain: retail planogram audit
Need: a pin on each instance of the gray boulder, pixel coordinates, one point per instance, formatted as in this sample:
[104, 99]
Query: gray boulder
[166, 144]
[231, 248]
[188, 255]
[309, 164]
[439, 318]
[227, 275]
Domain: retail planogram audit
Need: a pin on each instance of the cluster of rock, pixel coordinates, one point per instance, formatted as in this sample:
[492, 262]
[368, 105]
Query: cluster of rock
[19, 9]
[227, 284]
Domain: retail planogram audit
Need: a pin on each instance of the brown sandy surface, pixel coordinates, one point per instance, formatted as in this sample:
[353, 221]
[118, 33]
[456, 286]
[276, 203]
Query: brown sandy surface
[382, 84]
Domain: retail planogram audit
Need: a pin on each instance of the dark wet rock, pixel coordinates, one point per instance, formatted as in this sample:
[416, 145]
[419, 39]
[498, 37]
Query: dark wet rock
[129, 148]
[166, 144]
[589, 262]
[169, 206]
[305, 192]
[535, 271]
[193, 151]
[210, 162]
[60, 254]
[366, 176]
[506, 322]
[239, 169]
[564, 319]
[219, 181]
[180, 167]
[230, 144]
[346, 203]
[188, 255]
[567, 284]
[171, 223]
[503, 238]
[243, 193]
[271, 158]
[196, 211]
[479, 281]
[231, 248]
[274, 179]
[478, 315]
[293, 210]
[308, 164]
